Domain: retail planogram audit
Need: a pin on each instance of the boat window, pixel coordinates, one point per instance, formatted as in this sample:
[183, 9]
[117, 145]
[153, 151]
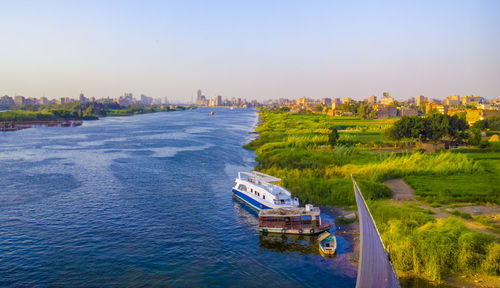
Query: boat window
[242, 187]
[251, 190]
[282, 201]
[264, 196]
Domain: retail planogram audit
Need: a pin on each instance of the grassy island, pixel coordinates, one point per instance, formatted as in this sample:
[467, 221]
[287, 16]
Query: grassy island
[78, 111]
[429, 236]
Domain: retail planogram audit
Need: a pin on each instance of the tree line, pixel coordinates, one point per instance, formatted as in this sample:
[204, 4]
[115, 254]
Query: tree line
[76, 111]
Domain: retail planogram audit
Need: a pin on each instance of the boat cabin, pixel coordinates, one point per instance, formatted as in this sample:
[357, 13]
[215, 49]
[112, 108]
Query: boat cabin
[294, 220]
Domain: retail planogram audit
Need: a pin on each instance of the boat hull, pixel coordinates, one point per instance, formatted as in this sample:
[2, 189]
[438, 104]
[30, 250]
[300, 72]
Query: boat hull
[304, 231]
[328, 251]
[250, 201]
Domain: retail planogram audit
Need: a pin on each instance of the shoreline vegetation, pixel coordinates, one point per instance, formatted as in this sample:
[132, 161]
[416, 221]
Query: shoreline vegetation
[424, 244]
[72, 114]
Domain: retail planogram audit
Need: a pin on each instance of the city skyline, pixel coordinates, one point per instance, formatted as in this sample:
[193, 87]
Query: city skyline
[254, 50]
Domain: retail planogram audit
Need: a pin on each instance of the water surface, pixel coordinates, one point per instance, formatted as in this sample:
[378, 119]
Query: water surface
[144, 200]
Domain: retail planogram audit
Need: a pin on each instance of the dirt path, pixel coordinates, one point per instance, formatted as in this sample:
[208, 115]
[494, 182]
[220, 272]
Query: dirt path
[443, 212]
[400, 190]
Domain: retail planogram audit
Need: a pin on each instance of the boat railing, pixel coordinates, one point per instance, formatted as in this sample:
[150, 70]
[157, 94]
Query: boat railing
[277, 224]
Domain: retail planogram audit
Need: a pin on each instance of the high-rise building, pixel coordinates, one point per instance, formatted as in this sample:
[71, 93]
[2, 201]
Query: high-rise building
[372, 99]
[83, 99]
[218, 100]
[44, 101]
[420, 100]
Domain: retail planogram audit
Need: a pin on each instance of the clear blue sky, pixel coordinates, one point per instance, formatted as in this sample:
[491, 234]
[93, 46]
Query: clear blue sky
[253, 49]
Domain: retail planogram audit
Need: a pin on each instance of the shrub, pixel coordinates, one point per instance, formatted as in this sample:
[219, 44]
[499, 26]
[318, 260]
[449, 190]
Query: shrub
[461, 214]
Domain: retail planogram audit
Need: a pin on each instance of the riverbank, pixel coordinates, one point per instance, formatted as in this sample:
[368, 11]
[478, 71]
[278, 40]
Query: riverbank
[295, 148]
[19, 125]
[71, 116]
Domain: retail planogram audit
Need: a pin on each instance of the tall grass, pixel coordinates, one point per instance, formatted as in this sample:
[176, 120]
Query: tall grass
[396, 166]
[434, 248]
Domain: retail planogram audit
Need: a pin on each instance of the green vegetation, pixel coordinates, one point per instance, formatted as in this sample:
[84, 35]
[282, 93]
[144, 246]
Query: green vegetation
[434, 248]
[461, 214]
[298, 149]
[434, 127]
[479, 186]
[333, 137]
[487, 222]
[491, 124]
[76, 111]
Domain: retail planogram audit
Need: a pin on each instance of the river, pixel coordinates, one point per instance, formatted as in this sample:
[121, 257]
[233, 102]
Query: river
[144, 201]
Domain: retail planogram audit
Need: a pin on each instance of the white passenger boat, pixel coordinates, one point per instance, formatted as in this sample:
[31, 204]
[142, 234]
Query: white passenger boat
[255, 189]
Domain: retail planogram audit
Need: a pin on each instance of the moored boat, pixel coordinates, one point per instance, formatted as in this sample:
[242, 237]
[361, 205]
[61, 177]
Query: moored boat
[256, 190]
[292, 220]
[327, 244]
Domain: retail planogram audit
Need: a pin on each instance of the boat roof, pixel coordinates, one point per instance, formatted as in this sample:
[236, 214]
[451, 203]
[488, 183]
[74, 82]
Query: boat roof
[261, 176]
[289, 211]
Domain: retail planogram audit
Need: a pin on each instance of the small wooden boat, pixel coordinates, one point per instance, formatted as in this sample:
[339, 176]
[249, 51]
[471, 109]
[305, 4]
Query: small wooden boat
[327, 244]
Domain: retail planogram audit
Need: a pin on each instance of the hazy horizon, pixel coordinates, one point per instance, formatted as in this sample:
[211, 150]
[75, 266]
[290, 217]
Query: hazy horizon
[254, 49]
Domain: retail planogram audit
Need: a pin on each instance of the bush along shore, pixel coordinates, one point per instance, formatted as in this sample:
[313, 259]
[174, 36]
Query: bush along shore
[315, 155]
[71, 114]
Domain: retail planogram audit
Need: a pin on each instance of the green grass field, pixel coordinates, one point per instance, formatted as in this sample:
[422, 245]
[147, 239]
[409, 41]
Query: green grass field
[295, 148]
[480, 187]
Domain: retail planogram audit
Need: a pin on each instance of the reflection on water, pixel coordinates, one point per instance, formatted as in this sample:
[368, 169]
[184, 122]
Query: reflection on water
[289, 243]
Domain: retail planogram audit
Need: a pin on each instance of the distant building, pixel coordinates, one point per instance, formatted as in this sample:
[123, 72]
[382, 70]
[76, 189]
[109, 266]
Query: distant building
[6, 101]
[44, 101]
[386, 99]
[200, 98]
[385, 112]
[126, 99]
[453, 100]
[19, 100]
[405, 111]
[420, 100]
[145, 100]
[326, 101]
[83, 99]
[443, 109]
[472, 100]
[372, 99]
[433, 101]
[346, 100]
[218, 100]
[62, 100]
